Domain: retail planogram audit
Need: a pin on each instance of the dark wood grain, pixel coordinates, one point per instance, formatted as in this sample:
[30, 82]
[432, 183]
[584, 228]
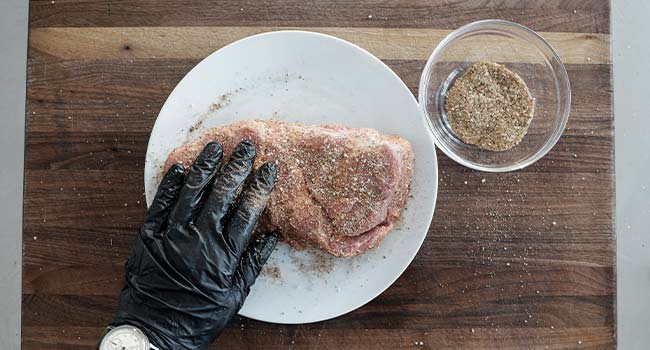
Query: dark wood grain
[79, 96]
[515, 212]
[589, 16]
[312, 337]
[521, 260]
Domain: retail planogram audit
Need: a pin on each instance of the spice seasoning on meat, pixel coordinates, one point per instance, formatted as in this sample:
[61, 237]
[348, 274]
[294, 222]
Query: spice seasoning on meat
[338, 189]
[490, 106]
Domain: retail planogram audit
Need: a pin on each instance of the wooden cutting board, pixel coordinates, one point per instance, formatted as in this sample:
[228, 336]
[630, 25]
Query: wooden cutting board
[522, 260]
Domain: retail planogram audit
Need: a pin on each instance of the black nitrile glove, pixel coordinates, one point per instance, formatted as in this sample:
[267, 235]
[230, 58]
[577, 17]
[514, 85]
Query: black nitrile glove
[191, 270]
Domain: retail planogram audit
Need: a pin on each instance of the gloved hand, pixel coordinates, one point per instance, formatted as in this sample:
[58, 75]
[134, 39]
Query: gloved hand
[191, 269]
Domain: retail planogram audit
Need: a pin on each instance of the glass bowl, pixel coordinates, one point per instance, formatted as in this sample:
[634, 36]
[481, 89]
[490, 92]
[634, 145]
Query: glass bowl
[522, 51]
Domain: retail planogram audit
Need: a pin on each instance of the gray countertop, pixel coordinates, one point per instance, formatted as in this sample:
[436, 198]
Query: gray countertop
[630, 48]
[13, 62]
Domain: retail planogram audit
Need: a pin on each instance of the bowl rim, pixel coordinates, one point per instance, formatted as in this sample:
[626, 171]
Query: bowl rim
[562, 81]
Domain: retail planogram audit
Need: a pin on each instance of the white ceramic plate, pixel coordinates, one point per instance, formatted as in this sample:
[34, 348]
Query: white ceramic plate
[315, 79]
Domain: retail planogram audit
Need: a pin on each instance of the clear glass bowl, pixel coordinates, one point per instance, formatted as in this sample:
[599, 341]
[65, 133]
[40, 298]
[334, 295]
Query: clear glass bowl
[519, 49]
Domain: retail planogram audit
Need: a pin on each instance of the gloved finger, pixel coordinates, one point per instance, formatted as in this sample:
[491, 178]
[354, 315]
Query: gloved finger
[254, 198]
[252, 262]
[196, 181]
[164, 200]
[226, 187]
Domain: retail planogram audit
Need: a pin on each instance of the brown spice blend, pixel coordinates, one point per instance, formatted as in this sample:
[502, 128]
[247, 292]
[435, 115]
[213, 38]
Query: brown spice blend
[490, 107]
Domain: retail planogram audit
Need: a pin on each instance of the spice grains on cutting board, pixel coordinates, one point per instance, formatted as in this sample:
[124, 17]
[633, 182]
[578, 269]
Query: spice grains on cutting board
[490, 106]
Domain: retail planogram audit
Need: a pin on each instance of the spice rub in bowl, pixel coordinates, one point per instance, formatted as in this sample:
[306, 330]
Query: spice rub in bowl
[489, 106]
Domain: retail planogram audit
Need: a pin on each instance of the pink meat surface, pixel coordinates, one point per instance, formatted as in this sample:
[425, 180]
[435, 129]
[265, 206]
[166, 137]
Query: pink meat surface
[339, 189]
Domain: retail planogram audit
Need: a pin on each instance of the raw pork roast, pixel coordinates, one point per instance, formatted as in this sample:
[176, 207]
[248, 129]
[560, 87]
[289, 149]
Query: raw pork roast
[339, 189]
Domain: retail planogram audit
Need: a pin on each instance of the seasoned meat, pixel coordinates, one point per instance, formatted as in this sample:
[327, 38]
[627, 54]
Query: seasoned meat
[339, 189]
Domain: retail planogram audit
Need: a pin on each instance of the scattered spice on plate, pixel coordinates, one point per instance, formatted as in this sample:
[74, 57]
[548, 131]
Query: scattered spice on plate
[272, 271]
[490, 106]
